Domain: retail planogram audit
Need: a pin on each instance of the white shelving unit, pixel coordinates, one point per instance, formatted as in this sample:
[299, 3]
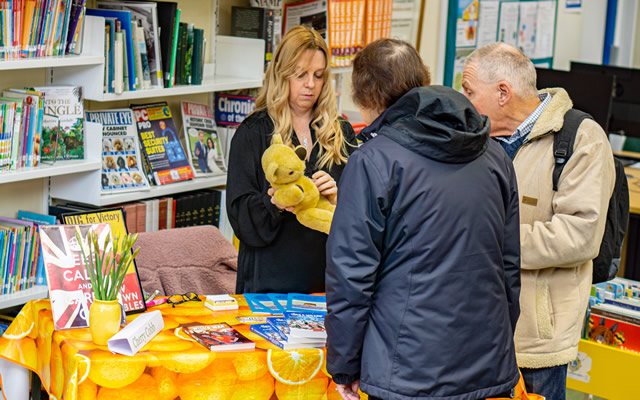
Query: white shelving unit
[49, 170]
[51, 62]
[85, 188]
[23, 296]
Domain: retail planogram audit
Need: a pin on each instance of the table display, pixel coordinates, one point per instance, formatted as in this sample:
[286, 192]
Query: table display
[172, 365]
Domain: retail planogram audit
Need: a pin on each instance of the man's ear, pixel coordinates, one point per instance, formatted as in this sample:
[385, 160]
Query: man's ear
[504, 92]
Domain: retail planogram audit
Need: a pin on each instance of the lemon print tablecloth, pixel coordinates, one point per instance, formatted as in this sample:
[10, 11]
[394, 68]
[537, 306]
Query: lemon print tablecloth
[169, 367]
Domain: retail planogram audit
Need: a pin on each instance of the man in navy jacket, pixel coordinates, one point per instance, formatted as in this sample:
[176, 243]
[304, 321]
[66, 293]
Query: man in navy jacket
[423, 258]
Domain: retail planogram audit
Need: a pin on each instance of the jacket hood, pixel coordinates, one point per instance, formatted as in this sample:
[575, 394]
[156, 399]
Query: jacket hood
[436, 122]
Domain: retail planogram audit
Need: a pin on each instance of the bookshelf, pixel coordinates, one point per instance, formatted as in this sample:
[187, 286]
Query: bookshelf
[23, 296]
[51, 62]
[45, 171]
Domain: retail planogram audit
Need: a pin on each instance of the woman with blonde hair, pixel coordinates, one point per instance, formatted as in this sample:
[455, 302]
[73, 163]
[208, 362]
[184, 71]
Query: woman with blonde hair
[297, 101]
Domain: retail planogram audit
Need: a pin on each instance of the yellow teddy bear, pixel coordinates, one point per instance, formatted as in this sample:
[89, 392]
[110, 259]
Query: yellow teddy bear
[284, 169]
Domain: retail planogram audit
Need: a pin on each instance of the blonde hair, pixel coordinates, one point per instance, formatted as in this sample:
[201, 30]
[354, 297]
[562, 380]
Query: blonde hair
[503, 62]
[274, 96]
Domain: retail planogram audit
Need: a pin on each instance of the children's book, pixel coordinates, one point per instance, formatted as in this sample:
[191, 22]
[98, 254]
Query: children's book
[62, 123]
[122, 169]
[70, 288]
[272, 335]
[165, 159]
[38, 219]
[261, 303]
[201, 137]
[306, 303]
[305, 324]
[219, 337]
[131, 293]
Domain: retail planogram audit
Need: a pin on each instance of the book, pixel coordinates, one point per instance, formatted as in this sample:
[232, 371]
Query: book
[310, 325]
[255, 23]
[268, 332]
[220, 302]
[70, 288]
[62, 124]
[161, 148]
[243, 319]
[122, 168]
[260, 303]
[166, 11]
[199, 54]
[279, 300]
[306, 303]
[201, 136]
[219, 337]
[38, 219]
[131, 294]
[280, 324]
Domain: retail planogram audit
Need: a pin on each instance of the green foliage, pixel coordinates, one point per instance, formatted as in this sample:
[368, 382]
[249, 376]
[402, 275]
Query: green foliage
[107, 269]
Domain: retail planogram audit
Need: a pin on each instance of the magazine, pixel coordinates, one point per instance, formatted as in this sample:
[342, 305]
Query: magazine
[70, 288]
[272, 335]
[165, 160]
[131, 293]
[122, 169]
[219, 337]
[302, 324]
[202, 140]
[62, 123]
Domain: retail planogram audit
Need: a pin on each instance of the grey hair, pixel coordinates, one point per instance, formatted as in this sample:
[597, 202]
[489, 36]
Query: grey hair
[503, 62]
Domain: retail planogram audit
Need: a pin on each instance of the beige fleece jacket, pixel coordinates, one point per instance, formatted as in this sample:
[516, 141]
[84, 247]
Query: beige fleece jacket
[560, 233]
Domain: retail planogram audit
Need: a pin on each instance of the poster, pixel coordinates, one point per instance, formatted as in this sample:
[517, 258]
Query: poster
[488, 22]
[467, 24]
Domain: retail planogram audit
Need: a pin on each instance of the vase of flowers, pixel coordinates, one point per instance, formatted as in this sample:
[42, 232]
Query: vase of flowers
[107, 267]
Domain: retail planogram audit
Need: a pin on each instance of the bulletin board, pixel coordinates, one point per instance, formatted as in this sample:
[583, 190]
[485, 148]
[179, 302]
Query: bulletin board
[527, 24]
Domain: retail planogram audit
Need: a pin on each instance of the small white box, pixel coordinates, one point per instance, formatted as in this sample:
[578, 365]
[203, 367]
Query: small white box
[219, 302]
[136, 334]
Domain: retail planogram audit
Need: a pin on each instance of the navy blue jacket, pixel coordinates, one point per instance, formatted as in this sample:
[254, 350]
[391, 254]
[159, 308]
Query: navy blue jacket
[423, 258]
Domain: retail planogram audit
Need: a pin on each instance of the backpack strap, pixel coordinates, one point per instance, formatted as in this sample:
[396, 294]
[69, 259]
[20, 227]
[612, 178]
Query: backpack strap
[563, 141]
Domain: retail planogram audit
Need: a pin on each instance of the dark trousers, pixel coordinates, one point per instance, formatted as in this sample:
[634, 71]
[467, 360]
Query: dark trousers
[549, 382]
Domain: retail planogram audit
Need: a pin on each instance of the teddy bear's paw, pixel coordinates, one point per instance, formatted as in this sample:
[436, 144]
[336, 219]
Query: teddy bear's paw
[316, 219]
[289, 196]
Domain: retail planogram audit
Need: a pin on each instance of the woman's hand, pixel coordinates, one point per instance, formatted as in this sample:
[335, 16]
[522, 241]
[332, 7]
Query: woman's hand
[271, 192]
[326, 186]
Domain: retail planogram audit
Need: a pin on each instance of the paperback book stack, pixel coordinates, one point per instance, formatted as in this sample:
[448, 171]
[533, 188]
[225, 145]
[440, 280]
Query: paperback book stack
[301, 324]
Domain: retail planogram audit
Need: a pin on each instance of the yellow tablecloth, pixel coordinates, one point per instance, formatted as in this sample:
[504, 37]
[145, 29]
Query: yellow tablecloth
[71, 366]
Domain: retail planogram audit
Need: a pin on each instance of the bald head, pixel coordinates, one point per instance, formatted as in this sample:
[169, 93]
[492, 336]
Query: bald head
[503, 62]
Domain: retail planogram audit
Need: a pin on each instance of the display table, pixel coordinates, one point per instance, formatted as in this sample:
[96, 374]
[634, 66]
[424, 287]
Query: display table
[71, 366]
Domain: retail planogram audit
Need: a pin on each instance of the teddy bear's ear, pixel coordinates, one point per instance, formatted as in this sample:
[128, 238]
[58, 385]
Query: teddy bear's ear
[270, 171]
[301, 152]
[276, 139]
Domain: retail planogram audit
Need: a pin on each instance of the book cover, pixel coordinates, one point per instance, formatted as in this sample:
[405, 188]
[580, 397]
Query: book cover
[302, 324]
[131, 293]
[201, 136]
[306, 303]
[62, 123]
[281, 325]
[166, 11]
[219, 337]
[280, 300]
[233, 109]
[122, 169]
[255, 23]
[271, 334]
[38, 219]
[261, 303]
[70, 288]
[160, 144]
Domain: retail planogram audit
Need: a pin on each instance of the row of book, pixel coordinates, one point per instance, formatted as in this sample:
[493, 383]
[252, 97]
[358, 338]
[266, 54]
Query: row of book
[40, 124]
[613, 317]
[21, 265]
[147, 46]
[38, 28]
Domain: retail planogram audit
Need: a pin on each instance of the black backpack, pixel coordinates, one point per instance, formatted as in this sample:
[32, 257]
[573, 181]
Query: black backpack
[606, 264]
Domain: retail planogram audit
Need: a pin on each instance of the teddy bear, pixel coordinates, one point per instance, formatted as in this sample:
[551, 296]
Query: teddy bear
[284, 169]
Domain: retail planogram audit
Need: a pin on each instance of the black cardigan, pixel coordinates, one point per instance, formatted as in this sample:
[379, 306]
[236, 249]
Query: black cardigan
[277, 253]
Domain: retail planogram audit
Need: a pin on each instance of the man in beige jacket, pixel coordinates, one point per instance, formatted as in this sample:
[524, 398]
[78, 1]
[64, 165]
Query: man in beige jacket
[560, 231]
